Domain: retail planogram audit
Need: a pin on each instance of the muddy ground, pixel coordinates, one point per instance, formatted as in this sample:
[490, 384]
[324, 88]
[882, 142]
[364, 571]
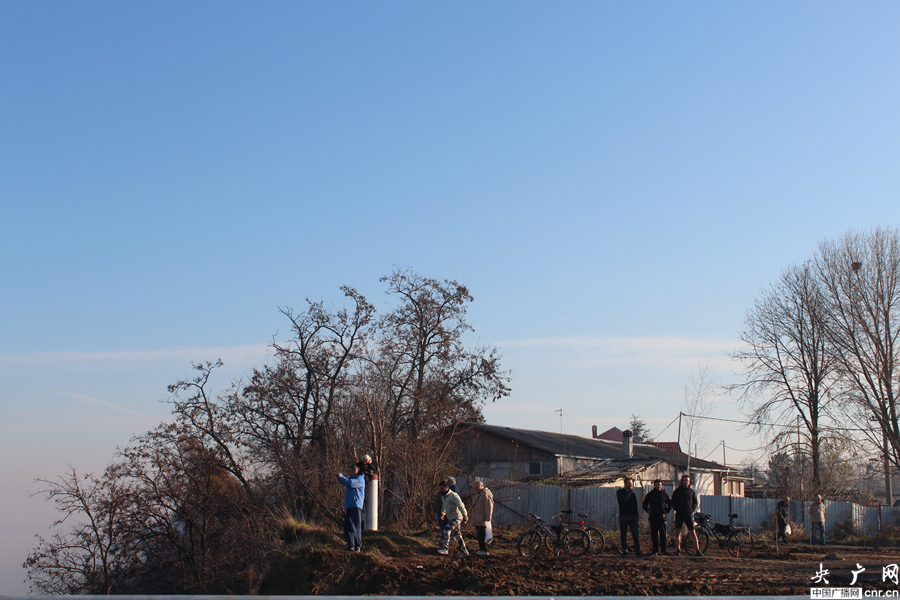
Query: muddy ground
[395, 564]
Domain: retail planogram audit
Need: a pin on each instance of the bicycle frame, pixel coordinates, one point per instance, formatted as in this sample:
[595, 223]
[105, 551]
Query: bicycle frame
[556, 538]
[738, 541]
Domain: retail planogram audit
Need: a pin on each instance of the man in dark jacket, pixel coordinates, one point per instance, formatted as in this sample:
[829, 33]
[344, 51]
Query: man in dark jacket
[685, 503]
[783, 514]
[629, 517]
[656, 503]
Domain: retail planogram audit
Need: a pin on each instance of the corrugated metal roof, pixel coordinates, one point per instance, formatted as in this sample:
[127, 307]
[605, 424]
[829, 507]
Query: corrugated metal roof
[767, 490]
[608, 469]
[562, 444]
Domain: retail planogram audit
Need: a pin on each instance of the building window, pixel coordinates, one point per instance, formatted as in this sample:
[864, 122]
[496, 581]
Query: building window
[534, 468]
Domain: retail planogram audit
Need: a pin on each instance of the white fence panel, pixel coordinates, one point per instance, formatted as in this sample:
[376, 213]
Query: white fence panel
[752, 512]
[513, 501]
[599, 504]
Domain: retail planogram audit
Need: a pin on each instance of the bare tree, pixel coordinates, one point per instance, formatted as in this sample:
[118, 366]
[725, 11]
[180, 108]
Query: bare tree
[437, 380]
[788, 366]
[697, 404]
[861, 276]
[89, 557]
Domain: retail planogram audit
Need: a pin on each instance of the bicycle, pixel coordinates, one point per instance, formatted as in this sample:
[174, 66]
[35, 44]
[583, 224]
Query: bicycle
[598, 542]
[556, 538]
[738, 541]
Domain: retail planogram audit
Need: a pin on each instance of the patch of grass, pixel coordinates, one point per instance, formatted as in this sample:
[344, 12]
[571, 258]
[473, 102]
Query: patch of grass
[300, 533]
[391, 537]
[382, 543]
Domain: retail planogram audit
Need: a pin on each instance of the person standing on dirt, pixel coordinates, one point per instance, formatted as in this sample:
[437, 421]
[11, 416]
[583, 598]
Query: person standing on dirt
[783, 515]
[629, 517]
[455, 512]
[481, 513]
[685, 503]
[657, 504]
[354, 500]
[817, 518]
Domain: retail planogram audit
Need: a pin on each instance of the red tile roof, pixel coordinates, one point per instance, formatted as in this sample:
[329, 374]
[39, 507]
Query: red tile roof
[667, 446]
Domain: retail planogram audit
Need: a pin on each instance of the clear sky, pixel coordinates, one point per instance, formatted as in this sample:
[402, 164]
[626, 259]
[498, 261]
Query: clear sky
[613, 181]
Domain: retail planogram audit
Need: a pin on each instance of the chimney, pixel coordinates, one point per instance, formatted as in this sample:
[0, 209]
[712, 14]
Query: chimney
[594, 431]
[627, 444]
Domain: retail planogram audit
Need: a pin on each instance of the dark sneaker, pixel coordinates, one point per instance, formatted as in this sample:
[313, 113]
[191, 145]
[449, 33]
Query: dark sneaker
[678, 552]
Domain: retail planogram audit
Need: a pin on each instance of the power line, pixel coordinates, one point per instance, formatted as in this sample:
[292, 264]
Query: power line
[667, 427]
[768, 424]
[747, 449]
[713, 450]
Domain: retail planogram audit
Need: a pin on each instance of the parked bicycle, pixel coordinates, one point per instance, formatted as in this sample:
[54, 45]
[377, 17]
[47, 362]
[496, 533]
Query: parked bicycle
[598, 542]
[556, 538]
[738, 541]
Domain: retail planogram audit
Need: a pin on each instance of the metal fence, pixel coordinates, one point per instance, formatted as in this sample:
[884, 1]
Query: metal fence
[513, 501]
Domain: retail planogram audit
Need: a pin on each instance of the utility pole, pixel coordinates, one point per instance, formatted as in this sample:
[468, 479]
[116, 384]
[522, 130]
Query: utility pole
[679, 446]
[679, 429]
[799, 456]
[560, 411]
[888, 490]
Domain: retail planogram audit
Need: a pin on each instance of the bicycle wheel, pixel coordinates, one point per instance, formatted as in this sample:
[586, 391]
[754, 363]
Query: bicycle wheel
[576, 542]
[739, 543]
[598, 542]
[702, 538]
[530, 543]
[551, 545]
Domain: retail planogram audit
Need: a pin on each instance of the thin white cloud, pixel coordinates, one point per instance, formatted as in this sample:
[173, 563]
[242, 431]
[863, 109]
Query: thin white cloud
[84, 399]
[516, 408]
[668, 351]
[232, 355]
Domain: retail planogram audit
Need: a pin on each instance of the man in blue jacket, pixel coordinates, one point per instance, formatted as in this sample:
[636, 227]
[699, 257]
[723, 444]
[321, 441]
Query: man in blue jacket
[354, 500]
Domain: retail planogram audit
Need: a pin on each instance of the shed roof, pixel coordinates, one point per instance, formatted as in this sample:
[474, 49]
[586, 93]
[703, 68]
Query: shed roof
[609, 469]
[767, 490]
[562, 444]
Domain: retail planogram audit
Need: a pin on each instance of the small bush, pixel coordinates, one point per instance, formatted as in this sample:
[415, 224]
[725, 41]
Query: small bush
[843, 529]
[884, 540]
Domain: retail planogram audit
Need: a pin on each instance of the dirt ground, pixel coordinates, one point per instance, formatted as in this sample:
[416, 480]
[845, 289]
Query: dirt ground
[393, 564]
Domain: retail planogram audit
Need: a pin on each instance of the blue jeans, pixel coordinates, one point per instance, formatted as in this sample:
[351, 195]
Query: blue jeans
[820, 529]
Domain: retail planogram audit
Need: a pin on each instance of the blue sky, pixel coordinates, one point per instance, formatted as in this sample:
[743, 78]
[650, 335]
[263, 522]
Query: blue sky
[613, 181]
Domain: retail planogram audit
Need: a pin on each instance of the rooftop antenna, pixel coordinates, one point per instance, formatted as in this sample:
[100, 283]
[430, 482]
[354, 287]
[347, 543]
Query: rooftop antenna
[560, 419]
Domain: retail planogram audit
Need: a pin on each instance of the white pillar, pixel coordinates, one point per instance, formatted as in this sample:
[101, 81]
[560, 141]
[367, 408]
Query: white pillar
[371, 520]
